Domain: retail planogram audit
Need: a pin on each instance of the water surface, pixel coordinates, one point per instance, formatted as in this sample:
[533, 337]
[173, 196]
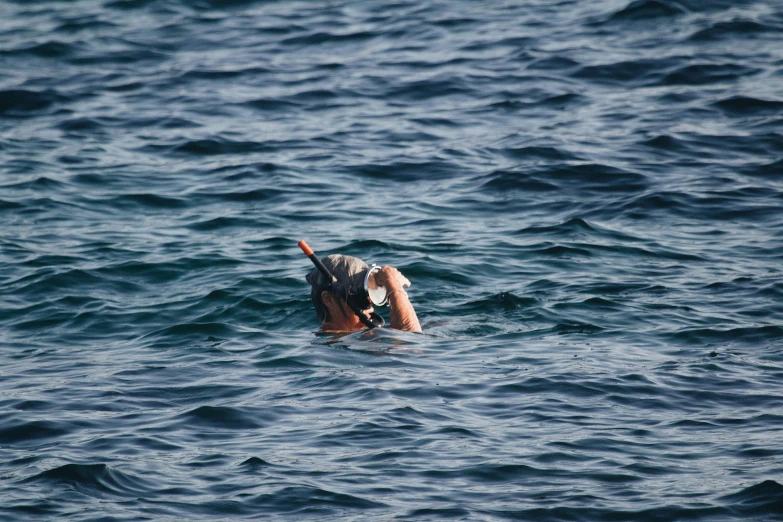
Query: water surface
[586, 196]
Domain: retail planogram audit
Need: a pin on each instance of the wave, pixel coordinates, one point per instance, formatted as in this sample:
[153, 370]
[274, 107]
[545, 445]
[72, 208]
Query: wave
[129, 4]
[10, 205]
[197, 330]
[87, 24]
[759, 145]
[590, 177]
[574, 228]
[39, 183]
[576, 328]
[80, 124]
[503, 301]
[590, 305]
[319, 38]
[255, 463]
[133, 56]
[317, 96]
[772, 170]
[648, 10]
[553, 63]
[503, 180]
[222, 417]
[148, 200]
[558, 102]
[434, 513]
[221, 74]
[559, 513]
[96, 480]
[669, 70]
[179, 395]
[667, 143]
[209, 5]
[748, 334]
[405, 171]
[763, 499]
[561, 251]
[261, 194]
[49, 282]
[50, 49]
[430, 89]
[29, 433]
[708, 6]
[221, 223]
[707, 73]
[21, 102]
[675, 203]
[720, 206]
[208, 147]
[272, 105]
[536, 153]
[733, 29]
[748, 106]
[640, 72]
[306, 499]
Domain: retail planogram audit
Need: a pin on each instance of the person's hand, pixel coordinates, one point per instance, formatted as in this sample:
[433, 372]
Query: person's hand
[391, 278]
[401, 312]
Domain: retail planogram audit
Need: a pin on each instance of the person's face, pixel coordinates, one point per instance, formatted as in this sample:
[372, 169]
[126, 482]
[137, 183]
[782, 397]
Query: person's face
[341, 315]
[350, 316]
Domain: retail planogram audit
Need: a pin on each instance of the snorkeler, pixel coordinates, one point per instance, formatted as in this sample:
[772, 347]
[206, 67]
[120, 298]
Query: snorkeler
[344, 290]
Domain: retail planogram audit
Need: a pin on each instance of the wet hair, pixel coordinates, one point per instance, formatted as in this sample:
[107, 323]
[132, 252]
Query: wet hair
[349, 273]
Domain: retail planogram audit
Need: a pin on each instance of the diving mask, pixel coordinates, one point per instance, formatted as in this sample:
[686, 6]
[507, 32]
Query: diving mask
[370, 294]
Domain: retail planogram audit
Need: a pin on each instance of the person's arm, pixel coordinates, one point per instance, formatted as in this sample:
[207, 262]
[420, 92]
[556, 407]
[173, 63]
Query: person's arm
[401, 312]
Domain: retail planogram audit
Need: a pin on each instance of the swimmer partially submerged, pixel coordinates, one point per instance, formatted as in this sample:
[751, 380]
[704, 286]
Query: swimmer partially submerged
[344, 290]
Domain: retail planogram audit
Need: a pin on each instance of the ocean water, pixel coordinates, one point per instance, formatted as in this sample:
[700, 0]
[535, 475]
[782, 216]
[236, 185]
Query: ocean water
[586, 196]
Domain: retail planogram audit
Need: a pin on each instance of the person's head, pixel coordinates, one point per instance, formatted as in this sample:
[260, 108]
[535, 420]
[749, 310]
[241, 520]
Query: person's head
[349, 272]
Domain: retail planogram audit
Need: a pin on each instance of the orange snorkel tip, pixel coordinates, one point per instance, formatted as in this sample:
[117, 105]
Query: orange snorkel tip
[317, 262]
[305, 248]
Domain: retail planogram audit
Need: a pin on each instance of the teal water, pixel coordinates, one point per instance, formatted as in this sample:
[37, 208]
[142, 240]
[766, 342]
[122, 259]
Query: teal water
[586, 197]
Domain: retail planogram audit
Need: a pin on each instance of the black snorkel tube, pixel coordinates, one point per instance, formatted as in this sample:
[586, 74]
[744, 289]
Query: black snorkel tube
[373, 321]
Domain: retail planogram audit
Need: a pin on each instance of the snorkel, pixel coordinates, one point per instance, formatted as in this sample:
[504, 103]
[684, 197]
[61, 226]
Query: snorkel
[357, 302]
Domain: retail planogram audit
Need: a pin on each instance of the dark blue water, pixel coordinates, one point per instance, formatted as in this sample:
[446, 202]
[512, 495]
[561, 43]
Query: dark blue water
[587, 197]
